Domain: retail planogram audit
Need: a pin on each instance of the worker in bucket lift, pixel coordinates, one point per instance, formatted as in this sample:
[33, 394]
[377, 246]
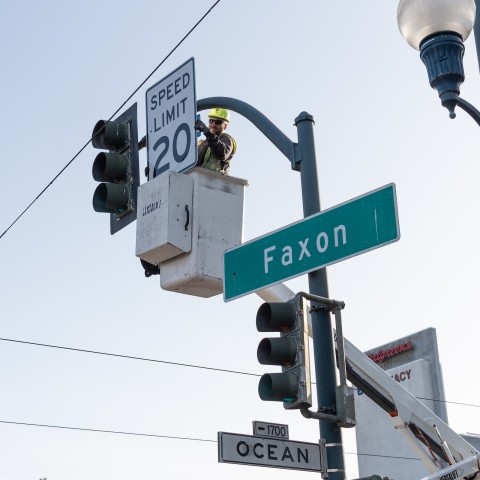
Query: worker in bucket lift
[218, 147]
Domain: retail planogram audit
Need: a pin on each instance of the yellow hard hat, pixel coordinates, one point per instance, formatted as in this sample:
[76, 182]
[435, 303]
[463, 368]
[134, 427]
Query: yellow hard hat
[221, 113]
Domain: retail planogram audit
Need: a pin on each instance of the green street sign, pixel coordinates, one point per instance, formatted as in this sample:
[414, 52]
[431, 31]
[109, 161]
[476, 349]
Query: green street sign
[354, 227]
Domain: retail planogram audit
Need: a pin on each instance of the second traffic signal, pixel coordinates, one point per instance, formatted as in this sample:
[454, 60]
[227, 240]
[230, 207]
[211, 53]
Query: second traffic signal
[118, 168]
[290, 351]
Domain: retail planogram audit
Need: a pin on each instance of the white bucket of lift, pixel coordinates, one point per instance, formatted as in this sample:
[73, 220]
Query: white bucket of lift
[214, 224]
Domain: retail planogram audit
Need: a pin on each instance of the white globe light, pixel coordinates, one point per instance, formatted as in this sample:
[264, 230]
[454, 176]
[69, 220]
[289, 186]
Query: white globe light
[418, 19]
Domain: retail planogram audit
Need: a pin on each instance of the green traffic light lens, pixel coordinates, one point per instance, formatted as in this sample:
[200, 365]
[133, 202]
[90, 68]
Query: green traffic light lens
[278, 387]
[111, 198]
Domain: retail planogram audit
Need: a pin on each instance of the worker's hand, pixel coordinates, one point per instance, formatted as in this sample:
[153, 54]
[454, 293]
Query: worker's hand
[201, 127]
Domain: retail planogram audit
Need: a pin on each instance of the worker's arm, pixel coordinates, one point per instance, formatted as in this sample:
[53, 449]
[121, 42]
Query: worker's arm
[221, 146]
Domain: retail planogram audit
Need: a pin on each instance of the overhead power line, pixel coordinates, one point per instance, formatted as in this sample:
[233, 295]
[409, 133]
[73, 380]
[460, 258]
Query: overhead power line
[179, 364]
[111, 116]
[129, 357]
[382, 456]
[450, 402]
[168, 437]
[98, 430]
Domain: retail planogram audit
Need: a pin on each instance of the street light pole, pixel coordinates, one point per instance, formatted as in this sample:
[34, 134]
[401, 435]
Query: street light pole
[302, 157]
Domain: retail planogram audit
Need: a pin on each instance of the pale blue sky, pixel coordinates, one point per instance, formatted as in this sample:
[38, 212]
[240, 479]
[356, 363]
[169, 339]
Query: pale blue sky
[66, 281]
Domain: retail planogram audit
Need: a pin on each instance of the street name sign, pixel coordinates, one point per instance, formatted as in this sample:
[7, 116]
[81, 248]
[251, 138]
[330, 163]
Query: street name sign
[171, 110]
[271, 452]
[351, 228]
[273, 430]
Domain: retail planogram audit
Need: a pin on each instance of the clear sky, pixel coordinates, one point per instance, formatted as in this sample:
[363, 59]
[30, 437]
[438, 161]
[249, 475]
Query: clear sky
[65, 281]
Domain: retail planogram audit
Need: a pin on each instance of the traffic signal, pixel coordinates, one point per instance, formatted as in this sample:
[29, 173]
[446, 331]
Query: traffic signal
[118, 168]
[290, 351]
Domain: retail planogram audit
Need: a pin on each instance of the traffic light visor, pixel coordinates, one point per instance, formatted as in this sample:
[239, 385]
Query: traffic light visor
[109, 135]
[276, 317]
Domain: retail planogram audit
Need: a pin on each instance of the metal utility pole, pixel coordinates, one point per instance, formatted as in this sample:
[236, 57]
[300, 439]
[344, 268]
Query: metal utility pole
[303, 159]
[324, 353]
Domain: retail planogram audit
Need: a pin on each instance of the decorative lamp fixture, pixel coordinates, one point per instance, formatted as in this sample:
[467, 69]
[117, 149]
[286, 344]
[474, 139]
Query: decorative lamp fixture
[438, 29]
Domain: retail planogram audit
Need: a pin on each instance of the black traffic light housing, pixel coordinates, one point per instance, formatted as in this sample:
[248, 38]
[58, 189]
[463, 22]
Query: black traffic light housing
[290, 351]
[118, 168]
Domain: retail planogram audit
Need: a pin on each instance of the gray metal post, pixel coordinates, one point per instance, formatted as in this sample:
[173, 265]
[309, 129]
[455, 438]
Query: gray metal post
[302, 157]
[321, 321]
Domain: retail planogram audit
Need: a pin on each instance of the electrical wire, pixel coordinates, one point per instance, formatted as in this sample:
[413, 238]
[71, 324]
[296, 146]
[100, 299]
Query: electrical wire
[113, 114]
[178, 364]
[381, 456]
[168, 437]
[129, 357]
[98, 430]
[450, 402]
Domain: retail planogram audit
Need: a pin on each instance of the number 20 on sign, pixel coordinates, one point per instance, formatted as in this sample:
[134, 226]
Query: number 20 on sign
[171, 110]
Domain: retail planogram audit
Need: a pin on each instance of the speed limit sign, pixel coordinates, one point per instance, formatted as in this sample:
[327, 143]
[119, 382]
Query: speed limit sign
[171, 110]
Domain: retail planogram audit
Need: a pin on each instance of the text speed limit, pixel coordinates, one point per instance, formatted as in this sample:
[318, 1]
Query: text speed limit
[171, 111]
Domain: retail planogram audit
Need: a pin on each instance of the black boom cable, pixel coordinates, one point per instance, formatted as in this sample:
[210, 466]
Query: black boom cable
[113, 114]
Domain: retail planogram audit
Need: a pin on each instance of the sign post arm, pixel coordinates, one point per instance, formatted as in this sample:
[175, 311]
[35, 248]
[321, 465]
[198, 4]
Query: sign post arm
[270, 130]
